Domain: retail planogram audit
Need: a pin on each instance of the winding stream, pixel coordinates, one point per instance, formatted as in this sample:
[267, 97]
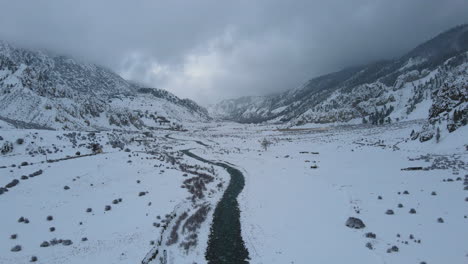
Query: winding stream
[225, 244]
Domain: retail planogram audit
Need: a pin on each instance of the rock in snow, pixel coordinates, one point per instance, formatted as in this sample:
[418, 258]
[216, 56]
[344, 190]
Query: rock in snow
[354, 222]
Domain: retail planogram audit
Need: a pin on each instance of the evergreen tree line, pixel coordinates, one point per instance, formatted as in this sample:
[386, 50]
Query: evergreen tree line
[379, 117]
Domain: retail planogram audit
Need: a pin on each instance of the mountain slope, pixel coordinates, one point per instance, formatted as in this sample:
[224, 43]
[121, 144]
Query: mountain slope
[61, 93]
[396, 89]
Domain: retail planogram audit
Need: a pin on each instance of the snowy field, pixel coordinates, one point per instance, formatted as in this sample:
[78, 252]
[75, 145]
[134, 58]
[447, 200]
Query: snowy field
[139, 183]
[293, 213]
[298, 194]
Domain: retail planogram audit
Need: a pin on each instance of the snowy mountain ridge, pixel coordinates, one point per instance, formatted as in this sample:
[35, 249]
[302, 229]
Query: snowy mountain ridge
[385, 91]
[58, 92]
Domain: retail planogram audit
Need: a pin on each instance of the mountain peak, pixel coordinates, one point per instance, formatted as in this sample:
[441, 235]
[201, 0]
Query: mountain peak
[63, 93]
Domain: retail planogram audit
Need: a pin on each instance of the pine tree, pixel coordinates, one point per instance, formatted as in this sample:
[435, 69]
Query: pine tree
[457, 115]
[265, 143]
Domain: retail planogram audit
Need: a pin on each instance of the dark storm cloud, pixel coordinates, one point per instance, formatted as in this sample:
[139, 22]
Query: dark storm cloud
[211, 49]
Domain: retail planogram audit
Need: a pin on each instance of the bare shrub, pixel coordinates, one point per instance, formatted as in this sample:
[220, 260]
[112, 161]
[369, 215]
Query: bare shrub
[265, 143]
[174, 232]
[194, 221]
[16, 248]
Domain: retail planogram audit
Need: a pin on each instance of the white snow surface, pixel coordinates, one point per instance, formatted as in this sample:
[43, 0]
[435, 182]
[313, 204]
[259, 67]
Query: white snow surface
[290, 212]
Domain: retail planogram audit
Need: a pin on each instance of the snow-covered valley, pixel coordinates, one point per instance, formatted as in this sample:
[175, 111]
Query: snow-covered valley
[296, 213]
[299, 191]
[368, 164]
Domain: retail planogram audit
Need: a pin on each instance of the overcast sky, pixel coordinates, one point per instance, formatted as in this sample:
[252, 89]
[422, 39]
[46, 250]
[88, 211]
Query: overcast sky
[209, 50]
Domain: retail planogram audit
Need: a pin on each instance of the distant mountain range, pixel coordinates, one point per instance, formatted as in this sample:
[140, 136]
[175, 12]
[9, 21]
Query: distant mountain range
[38, 90]
[386, 91]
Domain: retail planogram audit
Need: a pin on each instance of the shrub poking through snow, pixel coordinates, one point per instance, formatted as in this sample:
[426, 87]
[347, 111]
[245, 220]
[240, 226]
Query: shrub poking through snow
[96, 148]
[12, 184]
[16, 248]
[36, 173]
[440, 220]
[20, 141]
[354, 222]
[107, 208]
[45, 244]
[89, 210]
[192, 224]
[173, 238]
[265, 143]
[33, 259]
[393, 249]
[389, 212]
[14, 236]
[6, 148]
[50, 218]
[412, 211]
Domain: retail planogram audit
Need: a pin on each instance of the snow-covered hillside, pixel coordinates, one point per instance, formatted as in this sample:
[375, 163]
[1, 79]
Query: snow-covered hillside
[382, 92]
[45, 91]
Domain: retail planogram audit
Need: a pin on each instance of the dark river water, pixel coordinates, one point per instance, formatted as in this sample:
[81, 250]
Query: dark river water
[225, 244]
